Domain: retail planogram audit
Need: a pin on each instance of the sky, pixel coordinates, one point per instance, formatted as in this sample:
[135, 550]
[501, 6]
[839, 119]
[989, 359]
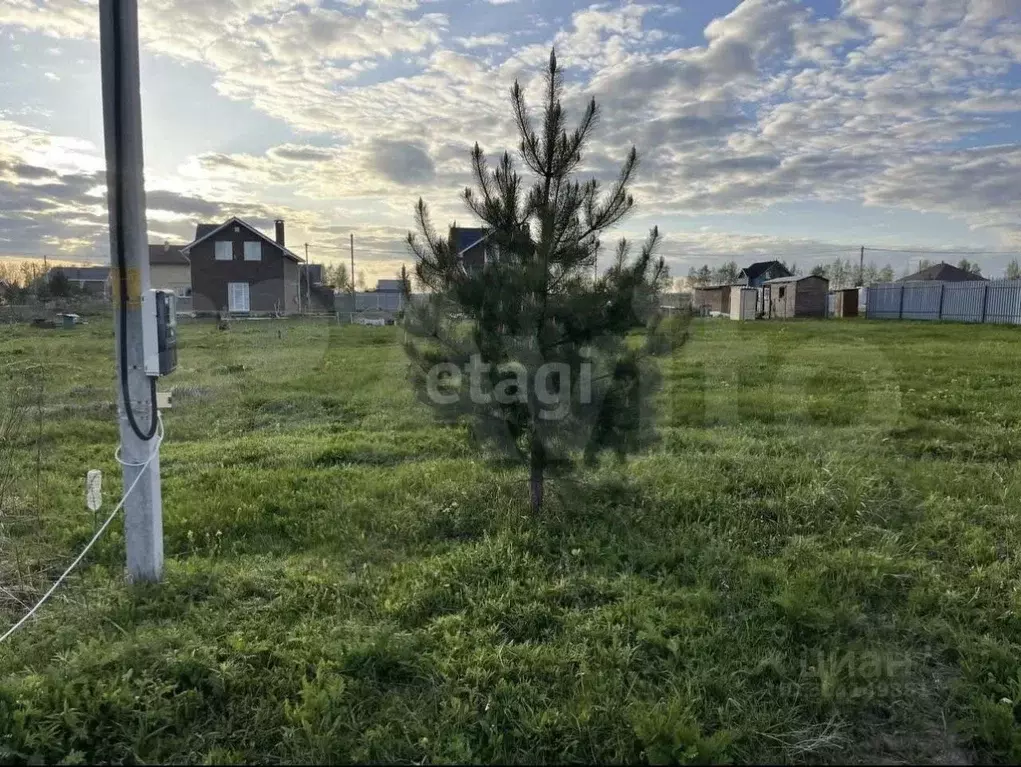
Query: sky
[765, 128]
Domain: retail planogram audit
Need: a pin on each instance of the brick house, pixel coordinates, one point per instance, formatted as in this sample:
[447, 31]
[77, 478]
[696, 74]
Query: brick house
[94, 280]
[236, 268]
[170, 269]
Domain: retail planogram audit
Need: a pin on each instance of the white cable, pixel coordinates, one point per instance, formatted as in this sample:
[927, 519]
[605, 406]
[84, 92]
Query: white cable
[99, 532]
[159, 440]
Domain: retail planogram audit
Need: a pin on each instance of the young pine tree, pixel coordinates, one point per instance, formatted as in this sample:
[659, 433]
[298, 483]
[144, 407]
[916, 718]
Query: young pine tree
[531, 341]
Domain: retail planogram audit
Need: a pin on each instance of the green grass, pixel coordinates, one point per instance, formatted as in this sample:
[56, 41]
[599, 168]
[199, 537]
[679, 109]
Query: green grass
[818, 562]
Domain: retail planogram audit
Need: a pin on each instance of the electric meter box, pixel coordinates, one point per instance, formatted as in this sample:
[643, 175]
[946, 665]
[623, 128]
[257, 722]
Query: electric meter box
[159, 332]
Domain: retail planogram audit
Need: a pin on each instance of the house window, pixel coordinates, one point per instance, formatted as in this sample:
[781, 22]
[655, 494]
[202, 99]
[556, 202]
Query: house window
[224, 250]
[783, 292]
[253, 251]
[183, 291]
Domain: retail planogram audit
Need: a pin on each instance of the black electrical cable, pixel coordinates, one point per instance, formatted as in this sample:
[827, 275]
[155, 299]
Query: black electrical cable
[118, 198]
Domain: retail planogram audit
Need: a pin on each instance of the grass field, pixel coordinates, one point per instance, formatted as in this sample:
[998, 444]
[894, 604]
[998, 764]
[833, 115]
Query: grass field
[819, 562]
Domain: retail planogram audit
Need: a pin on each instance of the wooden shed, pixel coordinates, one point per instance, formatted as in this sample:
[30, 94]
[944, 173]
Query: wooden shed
[844, 303]
[712, 301]
[795, 296]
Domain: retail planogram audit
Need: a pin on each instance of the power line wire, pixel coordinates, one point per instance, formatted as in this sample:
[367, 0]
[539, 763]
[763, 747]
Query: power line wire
[99, 532]
[945, 252]
[778, 253]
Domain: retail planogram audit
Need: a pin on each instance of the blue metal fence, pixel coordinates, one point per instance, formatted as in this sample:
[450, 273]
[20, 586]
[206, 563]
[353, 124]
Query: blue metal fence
[997, 301]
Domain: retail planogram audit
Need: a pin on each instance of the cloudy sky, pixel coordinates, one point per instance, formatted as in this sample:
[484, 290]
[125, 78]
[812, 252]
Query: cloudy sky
[767, 127]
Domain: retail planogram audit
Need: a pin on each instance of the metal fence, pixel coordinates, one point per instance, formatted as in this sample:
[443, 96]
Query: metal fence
[371, 301]
[998, 301]
[86, 307]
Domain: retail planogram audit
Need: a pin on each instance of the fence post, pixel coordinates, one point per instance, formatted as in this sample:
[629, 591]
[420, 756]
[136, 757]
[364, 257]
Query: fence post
[900, 308]
[942, 289]
[985, 300]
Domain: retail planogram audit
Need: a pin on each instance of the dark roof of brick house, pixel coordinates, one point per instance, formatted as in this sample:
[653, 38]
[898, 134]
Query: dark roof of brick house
[760, 267]
[167, 254]
[467, 237]
[942, 273]
[204, 231]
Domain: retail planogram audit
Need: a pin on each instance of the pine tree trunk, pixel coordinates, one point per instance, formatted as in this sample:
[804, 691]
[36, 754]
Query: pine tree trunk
[537, 479]
[537, 486]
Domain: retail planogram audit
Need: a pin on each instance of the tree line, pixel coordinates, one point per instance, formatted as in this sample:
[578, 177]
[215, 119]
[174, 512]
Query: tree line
[844, 273]
[726, 274]
[28, 282]
[339, 277]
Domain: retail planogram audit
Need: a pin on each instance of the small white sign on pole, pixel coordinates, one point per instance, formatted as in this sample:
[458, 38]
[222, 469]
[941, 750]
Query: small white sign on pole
[94, 489]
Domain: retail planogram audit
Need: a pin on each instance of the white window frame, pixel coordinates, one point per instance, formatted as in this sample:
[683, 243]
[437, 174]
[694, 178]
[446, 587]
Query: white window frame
[224, 250]
[253, 247]
[183, 291]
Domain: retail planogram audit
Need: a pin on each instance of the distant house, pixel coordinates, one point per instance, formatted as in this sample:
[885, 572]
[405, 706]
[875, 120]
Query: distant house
[388, 286]
[319, 298]
[804, 296]
[473, 246]
[238, 269]
[759, 273]
[316, 296]
[943, 273]
[314, 274]
[170, 269]
[94, 280]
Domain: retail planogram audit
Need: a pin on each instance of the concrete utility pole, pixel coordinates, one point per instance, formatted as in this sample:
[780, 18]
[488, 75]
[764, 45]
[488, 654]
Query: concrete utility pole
[308, 284]
[129, 248]
[353, 299]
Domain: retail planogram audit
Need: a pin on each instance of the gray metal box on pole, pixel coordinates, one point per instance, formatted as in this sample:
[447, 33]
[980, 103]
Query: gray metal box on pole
[129, 247]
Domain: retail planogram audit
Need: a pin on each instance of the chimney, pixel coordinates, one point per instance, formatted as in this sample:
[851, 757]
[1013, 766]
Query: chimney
[166, 246]
[280, 232]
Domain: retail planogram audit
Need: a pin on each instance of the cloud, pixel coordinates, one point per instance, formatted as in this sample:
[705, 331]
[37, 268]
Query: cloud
[775, 103]
[978, 185]
[301, 154]
[173, 202]
[401, 162]
[493, 40]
